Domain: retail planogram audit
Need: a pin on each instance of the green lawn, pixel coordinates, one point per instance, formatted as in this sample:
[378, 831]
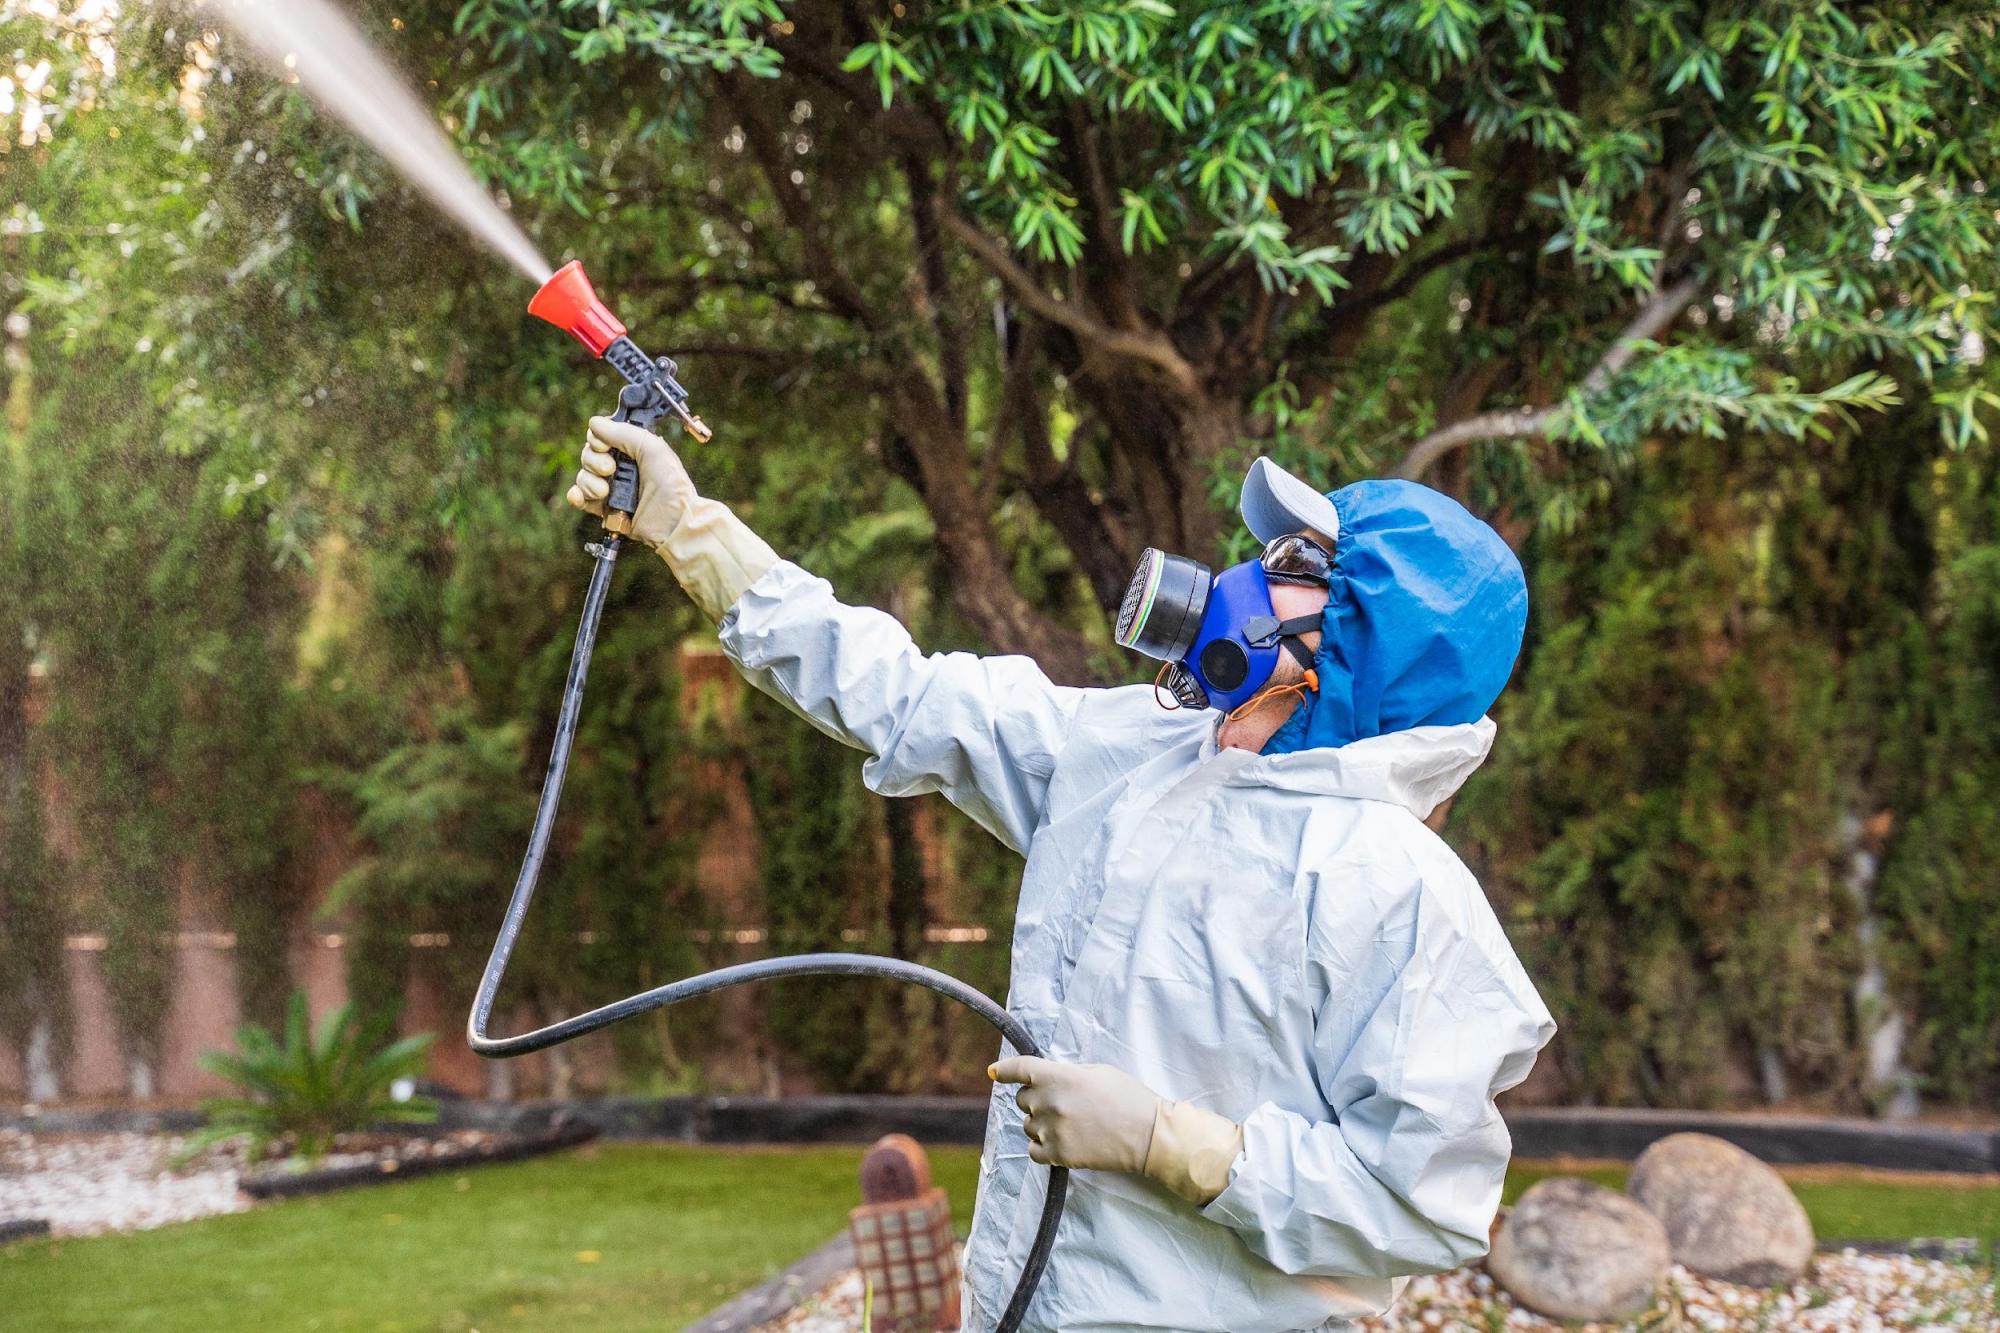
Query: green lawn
[607, 1239]
[611, 1238]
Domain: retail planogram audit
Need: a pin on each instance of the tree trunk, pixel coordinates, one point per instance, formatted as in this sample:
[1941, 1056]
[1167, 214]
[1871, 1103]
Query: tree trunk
[1157, 448]
[1879, 1023]
[935, 460]
[562, 1072]
[907, 917]
[500, 1080]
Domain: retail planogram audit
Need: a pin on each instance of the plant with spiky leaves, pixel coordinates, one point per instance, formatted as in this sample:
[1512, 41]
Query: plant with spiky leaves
[305, 1088]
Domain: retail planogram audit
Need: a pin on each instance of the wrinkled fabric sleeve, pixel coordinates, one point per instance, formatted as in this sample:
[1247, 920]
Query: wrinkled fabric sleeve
[1405, 1177]
[984, 731]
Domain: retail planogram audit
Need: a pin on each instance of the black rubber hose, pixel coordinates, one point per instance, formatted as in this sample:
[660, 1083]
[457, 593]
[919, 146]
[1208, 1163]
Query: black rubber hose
[765, 969]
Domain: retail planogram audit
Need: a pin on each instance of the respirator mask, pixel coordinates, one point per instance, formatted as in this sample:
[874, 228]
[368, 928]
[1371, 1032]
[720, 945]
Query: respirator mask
[1219, 635]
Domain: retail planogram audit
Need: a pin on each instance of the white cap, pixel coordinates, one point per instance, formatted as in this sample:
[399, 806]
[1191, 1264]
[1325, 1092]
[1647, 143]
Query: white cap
[1275, 502]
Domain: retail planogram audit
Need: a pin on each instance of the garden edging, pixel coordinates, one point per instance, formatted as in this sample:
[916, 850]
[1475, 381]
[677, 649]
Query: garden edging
[1538, 1132]
[777, 1295]
[1619, 1135]
[292, 1185]
[24, 1228]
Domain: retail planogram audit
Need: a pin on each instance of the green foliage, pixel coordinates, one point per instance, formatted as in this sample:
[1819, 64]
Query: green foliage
[289, 452]
[304, 1088]
[814, 858]
[165, 627]
[1737, 681]
[33, 988]
[1821, 169]
[1938, 878]
[331, 497]
[469, 640]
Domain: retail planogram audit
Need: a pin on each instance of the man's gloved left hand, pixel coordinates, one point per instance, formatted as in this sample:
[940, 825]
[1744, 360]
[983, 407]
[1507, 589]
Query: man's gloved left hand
[1102, 1119]
[713, 554]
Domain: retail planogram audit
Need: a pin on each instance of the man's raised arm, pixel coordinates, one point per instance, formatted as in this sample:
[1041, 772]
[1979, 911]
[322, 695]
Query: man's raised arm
[985, 731]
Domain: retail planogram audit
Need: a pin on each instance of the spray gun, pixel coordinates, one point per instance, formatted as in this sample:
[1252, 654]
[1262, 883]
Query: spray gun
[651, 392]
[568, 301]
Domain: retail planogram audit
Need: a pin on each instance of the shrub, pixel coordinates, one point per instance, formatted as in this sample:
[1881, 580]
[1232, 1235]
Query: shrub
[308, 1087]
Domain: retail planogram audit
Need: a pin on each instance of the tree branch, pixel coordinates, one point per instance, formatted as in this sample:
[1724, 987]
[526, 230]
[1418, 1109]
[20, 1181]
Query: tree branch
[1120, 288]
[745, 351]
[1152, 348]
[772, 287]
[1019, 348]
[933, 289]
[1413, 273]
[776, 166]
[1516, 422]
[982, 581]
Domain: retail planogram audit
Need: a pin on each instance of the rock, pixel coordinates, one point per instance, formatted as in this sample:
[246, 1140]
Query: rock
[1727, 1215]
[1575, 1250]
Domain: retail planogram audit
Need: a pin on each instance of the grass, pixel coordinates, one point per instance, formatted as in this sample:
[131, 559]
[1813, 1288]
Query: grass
[614, 1238]
[608, 1239]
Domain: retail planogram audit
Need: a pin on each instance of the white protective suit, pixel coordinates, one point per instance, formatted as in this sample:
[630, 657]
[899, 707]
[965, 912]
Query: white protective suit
[1277, 939]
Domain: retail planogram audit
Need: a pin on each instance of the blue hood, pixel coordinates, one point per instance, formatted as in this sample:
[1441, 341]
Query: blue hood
[1423, 620]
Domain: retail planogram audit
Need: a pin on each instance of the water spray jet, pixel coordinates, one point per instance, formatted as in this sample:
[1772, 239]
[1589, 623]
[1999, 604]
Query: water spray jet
[313, 43]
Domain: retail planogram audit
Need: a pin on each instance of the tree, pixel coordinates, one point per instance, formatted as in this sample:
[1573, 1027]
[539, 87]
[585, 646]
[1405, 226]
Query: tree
[1084, 259]
[984, 297]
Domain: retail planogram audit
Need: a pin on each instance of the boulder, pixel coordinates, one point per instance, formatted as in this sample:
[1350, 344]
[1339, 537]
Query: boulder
[1571, 1249]
[1727, 1215]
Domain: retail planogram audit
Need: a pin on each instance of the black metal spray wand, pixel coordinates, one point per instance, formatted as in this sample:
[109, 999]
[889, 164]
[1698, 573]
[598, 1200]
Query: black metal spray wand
[652, 394]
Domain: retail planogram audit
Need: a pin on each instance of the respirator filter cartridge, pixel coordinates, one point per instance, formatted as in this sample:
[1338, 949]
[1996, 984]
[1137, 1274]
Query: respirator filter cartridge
[1162, 610]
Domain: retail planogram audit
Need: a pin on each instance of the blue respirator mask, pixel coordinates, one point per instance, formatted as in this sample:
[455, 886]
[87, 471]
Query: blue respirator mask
[1219, 635]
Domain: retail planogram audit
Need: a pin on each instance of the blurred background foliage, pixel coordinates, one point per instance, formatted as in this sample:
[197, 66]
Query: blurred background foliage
[1691, 300]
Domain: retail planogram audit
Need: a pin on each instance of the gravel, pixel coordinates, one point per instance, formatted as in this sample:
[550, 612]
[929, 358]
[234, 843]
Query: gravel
[1847, 1292]
[837, 1309]
[86, 1184]
[365, 1149]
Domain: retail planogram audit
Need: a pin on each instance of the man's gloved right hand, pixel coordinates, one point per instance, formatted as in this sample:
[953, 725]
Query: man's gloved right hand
[715, 557]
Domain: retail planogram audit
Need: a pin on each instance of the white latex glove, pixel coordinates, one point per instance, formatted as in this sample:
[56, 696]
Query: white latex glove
[1097, 1118]
[713, 554]
[665, 489]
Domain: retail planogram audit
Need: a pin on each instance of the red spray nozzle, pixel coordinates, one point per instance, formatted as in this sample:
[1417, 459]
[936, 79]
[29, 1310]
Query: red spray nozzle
[568, 301]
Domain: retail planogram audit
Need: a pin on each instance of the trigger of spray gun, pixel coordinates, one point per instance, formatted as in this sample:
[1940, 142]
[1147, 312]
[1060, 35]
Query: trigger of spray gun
[568, 301]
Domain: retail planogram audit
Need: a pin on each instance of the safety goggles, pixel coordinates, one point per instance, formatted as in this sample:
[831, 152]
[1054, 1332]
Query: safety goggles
[1294, 558]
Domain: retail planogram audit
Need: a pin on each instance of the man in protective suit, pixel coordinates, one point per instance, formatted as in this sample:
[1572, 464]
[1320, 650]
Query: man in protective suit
[1276, 1008]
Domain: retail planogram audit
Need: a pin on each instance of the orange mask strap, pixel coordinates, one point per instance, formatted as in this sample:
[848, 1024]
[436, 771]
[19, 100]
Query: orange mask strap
[1166, 701]
[1310, 685]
